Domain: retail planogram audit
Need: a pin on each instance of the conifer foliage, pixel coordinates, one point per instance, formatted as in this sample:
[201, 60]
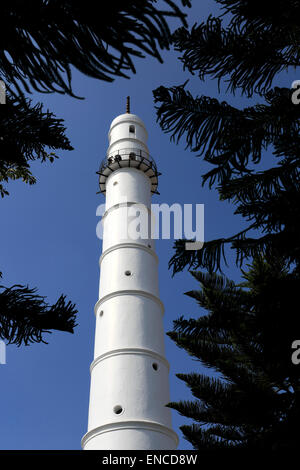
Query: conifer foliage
[25, 316]
[27, 133]
[233, 140]
[245, 336]
[247, 333]
[41, 41]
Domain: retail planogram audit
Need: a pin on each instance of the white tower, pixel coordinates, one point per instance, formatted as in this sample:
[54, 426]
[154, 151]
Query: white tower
[129, 374]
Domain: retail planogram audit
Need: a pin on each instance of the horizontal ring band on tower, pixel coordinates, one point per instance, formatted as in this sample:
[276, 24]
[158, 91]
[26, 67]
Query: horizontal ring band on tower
[130, 424]
[124, 204]
[134, 351]
[128, 245]
[129, 292]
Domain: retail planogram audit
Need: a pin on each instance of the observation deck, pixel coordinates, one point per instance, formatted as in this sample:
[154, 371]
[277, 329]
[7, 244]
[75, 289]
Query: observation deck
[128, 157]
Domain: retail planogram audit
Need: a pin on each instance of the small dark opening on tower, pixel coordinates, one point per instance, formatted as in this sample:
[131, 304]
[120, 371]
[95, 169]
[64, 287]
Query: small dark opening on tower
[132, 129]
[155, 366]
[118, 409]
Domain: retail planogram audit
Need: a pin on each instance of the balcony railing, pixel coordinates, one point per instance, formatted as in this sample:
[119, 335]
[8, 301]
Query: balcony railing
[128, 157]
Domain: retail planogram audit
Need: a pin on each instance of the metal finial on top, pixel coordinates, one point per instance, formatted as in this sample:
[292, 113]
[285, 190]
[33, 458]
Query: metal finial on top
[128, 104]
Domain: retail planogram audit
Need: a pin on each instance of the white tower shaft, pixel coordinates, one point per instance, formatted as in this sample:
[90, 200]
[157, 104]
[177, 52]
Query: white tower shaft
[129, 374]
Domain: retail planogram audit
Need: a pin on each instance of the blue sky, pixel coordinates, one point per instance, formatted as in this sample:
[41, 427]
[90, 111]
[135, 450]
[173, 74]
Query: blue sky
[48, 240]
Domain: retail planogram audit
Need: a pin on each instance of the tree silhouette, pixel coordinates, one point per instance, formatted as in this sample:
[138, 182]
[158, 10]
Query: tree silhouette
[41, 42]
[233, 140]
[26, 135]
[245, 336]
[248, 332]
[25, 316]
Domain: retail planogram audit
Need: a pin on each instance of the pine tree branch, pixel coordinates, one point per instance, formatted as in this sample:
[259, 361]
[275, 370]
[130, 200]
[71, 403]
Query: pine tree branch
[250, 54]
[25, 316]
[43, 40]
[27, 133]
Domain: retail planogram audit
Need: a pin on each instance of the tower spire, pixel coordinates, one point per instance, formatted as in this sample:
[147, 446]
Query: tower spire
[128, 104]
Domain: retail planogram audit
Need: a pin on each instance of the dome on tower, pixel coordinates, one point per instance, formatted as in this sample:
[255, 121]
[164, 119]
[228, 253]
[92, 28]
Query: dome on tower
[127, 138]
[127, 117]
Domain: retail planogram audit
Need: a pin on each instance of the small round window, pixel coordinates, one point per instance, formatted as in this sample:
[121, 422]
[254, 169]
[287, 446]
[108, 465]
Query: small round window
[118, 409]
